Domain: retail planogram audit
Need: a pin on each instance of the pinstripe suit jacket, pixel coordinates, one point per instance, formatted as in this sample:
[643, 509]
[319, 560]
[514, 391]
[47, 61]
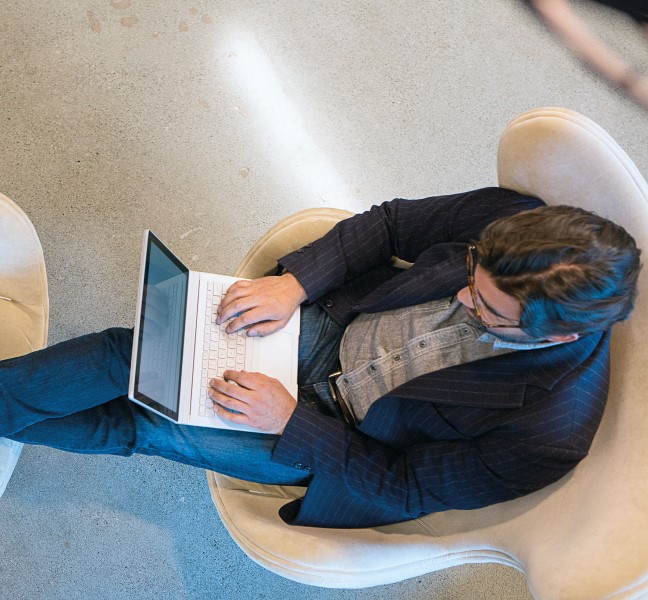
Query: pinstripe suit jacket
[460, 438]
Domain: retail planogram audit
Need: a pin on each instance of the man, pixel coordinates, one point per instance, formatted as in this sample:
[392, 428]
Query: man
[476, 376]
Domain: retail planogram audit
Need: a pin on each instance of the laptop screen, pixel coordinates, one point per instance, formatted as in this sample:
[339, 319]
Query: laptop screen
[161, 333]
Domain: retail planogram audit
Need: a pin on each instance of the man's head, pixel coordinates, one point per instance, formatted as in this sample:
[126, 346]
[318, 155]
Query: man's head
[554, 273]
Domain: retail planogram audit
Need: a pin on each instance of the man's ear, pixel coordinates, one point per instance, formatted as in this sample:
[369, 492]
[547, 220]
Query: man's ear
[569, 337]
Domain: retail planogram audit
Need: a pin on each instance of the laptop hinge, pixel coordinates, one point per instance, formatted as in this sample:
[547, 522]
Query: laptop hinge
[189, 347]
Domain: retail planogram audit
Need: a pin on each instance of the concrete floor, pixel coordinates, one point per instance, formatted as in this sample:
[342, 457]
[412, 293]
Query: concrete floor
[207, 121]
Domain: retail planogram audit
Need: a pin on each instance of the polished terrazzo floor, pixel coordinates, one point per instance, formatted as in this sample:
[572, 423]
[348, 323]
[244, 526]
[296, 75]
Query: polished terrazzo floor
[208, 121]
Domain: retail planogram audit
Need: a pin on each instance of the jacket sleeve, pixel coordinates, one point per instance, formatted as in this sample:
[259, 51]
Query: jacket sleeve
[406, 229]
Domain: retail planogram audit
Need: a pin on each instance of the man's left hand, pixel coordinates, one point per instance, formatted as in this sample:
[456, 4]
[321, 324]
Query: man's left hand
[260, 401]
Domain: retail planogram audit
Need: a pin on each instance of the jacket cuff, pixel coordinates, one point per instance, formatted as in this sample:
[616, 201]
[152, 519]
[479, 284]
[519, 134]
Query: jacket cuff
[301, 266]
[309, 440]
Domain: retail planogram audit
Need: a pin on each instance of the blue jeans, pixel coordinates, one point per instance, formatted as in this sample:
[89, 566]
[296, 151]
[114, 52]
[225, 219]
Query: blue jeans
[73, 397]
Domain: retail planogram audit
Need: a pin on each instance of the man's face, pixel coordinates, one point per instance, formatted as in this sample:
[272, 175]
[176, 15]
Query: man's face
[494, 306]
[498, 308]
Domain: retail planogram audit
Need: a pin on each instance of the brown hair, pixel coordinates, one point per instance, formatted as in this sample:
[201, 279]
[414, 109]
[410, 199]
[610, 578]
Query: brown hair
[571, 270]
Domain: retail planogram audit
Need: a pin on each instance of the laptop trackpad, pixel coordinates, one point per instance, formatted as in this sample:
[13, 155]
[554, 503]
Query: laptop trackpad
[276, 357]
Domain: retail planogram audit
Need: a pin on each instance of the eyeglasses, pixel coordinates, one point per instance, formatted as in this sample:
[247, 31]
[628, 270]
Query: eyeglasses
[470, 264]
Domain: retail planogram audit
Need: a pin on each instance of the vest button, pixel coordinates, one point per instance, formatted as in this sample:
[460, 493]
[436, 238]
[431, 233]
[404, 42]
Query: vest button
[329, 303]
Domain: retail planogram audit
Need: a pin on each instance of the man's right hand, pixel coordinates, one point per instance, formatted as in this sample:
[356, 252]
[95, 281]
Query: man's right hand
[262, 305]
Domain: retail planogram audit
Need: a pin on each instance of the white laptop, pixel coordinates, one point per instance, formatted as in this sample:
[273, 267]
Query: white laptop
[178, 347]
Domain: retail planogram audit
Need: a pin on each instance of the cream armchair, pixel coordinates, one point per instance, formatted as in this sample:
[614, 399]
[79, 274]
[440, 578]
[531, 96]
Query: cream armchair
[24, 306]
[582, 538]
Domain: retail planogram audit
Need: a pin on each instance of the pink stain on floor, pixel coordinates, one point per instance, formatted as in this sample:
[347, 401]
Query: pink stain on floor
[94, 22]
[129, 21]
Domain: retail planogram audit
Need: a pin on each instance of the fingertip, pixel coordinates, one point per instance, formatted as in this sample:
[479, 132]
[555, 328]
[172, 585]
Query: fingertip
[259, 331]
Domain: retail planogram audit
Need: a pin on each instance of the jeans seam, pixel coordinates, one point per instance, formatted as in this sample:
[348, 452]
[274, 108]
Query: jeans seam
[104, 450]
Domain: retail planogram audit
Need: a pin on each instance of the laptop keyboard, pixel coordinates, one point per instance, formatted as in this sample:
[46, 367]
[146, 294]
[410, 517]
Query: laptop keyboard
[221, 350]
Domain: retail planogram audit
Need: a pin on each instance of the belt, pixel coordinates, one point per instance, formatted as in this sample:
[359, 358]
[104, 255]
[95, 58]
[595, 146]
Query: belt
[347, 413]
